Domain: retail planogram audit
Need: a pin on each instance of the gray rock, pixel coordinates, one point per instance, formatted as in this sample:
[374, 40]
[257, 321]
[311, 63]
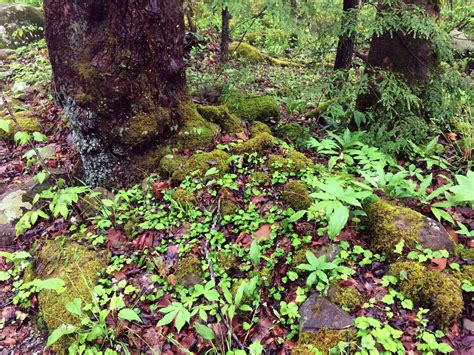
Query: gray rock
[468, 325]
[435, 237]
[20, 25]
[460, 42]
[7, 235]
[318, 313]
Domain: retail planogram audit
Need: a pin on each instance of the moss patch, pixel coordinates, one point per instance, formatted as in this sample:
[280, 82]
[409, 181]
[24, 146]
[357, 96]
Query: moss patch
[293, 162]
[295, 132]
[220, 115]
[171, 163]
[430, 288]
[189, 271]
[26, 121]
[252, 108]
[260, 178]
[200, 163]
[145, 127]
[259, 127]
[346, 297]
[228, 207]
[184, 198]
[323, 340]
[150, 160]
[226, 259]
[259, 143]
[79, 268]
[247, 52]
[296, 195]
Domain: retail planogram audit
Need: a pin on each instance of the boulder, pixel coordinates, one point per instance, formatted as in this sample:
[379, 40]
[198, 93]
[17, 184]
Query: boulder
[20, 25]
[388, 225]
[460, 42]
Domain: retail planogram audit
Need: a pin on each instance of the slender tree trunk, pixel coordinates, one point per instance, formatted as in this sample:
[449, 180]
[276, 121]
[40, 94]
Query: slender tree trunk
[118, 71]
[345, 48]
[190, 16]
[294, 17]
[225, 36]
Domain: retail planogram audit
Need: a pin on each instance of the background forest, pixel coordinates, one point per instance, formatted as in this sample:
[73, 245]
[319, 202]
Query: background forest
[316, 196]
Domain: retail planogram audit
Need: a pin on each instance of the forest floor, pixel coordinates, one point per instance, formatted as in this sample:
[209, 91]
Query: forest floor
[212, 262]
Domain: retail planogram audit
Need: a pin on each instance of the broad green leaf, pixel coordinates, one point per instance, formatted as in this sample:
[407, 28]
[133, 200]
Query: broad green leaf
[254, 252]
[204, 331]
[4, 276]
[75, 307]
[5, 125]
[59, 332]
[337, 221]
[129, 314]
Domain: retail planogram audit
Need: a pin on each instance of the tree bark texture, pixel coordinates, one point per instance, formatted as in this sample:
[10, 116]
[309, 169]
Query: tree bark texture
[345, 47]
[119, 73]
[225, 35]
[402, 53]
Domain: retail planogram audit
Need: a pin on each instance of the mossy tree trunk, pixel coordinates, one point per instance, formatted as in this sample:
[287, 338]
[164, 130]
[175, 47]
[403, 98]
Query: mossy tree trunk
[225, 35]
[118, 71]
[345, 47]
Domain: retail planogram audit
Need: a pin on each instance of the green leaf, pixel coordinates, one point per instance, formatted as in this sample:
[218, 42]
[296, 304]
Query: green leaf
[40, 177]
[129, 314]
[254, 253]
[204, 331]
[5, 125]
[49, 284]
[59, 332]
[75, 307]
[337, 221]
[464, 191]
[367, 342]
[4, 276]
[212, 171]
[256, 348]
[296, 216]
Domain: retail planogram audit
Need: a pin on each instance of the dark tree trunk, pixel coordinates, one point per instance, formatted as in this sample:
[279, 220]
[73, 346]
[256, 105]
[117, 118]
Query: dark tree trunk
[345, 47]
[402, 53]
[190, 16]
[225, 36]
[118, 71]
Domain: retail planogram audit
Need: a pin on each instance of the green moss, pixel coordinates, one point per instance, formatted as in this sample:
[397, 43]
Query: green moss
[150, 160]
[259, 127]
[322, 340]
[298, 258]
[26, 121]
[346, 297]
[171, 163]
[196, 132]
[228, 207]
[384, 227]
[293, 162]
[200, 163]
[252, 108]
[295, 132]
[188, 271]
[145, 127]
[226, 259]
[259, 143]
[184, 198]
[247, 52]
[467, 273]
[430, 288]
[79, 268]
[260, 178]
[296, 195]
[220, 115]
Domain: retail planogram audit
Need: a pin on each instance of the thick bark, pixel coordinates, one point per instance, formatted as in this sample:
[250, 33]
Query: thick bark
[225, 35]
[402, 53]
[345, 47]
[118, 71]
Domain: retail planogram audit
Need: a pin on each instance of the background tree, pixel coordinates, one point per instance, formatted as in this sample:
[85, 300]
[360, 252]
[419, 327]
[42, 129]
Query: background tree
[345, 47]
[118, 72]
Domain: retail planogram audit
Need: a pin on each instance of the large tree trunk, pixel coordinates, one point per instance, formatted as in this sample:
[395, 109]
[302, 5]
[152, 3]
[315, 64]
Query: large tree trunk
[402, 53]
[225, 35]
[118, 71]
[345, 47]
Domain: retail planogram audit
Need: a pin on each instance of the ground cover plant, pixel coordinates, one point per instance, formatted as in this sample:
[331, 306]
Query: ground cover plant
[294, 209]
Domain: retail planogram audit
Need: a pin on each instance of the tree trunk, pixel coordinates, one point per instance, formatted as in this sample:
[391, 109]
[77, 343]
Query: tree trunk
[119, 73]
[190, 16]
[225, 36]
[294, 16]
[345, 48]
[402, 53]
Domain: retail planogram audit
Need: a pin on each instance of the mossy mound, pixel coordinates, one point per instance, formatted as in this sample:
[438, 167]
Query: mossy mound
[293, 162]
[220, 115]
[259, 144]
[389, 224]
[226, 259]
[430, 288]
[189, 271]
[346, 297]
[247, 52]
[27, 123]
[228, 207]
[295, 132]
[467, 273]
[184, 198]
[259, 127]
[146, 127]
[252, 107]
[296, 195]
[78, 267]
[171, 163]
[260, 178]
[322, 340]
[200, 163]
[196, 132]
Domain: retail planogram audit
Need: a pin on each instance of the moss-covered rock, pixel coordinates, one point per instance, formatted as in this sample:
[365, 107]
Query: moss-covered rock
[15, 17]
[27, 122]
[252, 107]
[228, 207]
[226, 259]
[260, 178]
[184, 197]
[78, 267]
[146, 127]
[295, 132]
[258, 127]
[322, 340]
[259, 144]
[200, 163]
[189, 271]
[220, 115]
[247, 52]
[150, 160]
[346, 297]
[171, 163]
[296, 195]
[293, 162]
[196, 132]
[430, 288]
[388, 224]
